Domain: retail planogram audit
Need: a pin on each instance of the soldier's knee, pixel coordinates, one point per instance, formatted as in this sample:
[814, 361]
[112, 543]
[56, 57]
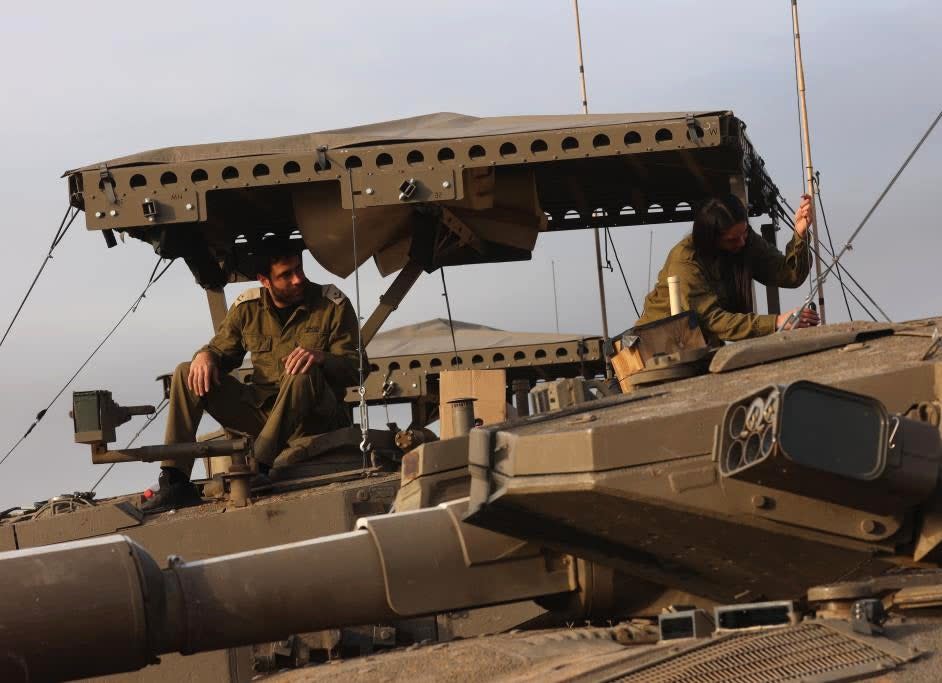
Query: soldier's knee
[181, 372]
[295, 382]
[302, 382]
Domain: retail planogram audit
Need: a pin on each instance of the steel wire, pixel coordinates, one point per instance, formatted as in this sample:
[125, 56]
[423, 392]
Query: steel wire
[154, 277]
[57, 238]
[608, 239]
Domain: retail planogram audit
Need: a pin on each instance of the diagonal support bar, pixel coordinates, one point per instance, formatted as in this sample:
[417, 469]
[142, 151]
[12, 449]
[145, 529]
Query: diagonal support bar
[390, 300]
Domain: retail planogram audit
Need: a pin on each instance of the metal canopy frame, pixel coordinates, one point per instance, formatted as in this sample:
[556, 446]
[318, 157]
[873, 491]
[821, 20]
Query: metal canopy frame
[423, 204]
[589, 176]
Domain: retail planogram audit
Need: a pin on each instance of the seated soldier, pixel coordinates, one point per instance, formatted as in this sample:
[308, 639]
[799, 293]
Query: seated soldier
[303, 341]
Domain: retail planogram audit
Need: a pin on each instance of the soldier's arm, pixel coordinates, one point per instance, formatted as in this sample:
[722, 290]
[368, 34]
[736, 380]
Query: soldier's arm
[771, 267]
[697, 295]
[227, 347]
[341, 362]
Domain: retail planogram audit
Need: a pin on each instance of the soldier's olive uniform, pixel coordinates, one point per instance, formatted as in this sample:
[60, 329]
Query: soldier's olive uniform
[275, 407]
[709, 288]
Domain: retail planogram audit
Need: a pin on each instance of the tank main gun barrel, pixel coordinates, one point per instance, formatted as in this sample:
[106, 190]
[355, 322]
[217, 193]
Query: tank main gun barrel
[392, 566]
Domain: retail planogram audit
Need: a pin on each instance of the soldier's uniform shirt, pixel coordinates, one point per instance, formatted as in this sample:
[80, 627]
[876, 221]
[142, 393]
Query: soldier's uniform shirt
[709, 288]
[323, 321]
[276, 408]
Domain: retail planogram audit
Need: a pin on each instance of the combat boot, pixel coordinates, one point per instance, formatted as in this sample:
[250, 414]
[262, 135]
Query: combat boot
[175, 491]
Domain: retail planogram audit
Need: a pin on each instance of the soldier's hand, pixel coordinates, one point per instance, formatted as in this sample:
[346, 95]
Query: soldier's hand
[803, 215]
[301, 360]
[204, 373]
[807, 318]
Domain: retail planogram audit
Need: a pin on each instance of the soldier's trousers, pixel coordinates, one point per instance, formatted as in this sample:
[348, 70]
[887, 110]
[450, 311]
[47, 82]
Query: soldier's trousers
[303, 406]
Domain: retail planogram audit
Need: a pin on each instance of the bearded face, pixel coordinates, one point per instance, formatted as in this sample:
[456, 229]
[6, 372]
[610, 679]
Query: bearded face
[285, 282]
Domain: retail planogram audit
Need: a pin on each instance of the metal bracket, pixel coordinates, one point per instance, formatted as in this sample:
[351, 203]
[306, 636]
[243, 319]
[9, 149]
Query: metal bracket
[107, 183]
[149, 206]
[322, 163]
[461, 230]
[388, 386]
[694, 130]
[407, 190]
[390, 300]
[933, 345]
[868, 616]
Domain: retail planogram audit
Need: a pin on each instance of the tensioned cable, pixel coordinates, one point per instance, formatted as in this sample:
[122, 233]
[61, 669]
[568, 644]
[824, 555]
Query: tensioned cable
[829, 247]
[154, 277]
[361, 389]
[60, 233]
[788, 222]
[150, 420]
[816, 186]
[608, 239]
[846, 272]
[451, 324]
[849, 244]
[608, 262]
[843, 269]
[791, 224]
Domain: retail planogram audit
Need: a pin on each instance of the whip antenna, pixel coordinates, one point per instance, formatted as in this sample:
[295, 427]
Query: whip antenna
[595, 231]
[806, 154]
[850, 242]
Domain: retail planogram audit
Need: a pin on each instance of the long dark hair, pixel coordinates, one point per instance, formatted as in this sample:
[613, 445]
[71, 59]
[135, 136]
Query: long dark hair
[715, 217]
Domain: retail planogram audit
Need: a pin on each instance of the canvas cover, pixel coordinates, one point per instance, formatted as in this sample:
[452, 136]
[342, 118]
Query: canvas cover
[434, 336]
[440, 126]
[490, 187]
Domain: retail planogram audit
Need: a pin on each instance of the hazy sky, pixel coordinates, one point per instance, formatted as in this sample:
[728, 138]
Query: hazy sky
[84, 82]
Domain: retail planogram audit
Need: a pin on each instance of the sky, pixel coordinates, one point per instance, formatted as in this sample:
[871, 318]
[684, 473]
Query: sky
[86, 82]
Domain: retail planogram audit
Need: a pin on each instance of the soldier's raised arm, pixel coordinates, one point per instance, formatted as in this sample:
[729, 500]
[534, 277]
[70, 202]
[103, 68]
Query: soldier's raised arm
[772, 267]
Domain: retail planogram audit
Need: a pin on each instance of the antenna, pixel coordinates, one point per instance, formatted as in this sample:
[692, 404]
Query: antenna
[585, 97]
[806, 153]
[598, 247]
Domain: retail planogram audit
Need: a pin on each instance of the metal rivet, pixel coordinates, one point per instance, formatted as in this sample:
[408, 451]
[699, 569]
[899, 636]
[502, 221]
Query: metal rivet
[760, 501]
[868, 526]
[189, 207]
[113, 212]
[98, 214]
[369, 190]
[446, 184]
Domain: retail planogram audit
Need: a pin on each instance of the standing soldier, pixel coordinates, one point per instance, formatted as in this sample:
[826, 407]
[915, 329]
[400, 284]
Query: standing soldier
[303, 340]
[716, 264]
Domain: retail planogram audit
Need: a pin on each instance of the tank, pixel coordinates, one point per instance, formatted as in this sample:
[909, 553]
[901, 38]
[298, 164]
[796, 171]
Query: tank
[763, 510]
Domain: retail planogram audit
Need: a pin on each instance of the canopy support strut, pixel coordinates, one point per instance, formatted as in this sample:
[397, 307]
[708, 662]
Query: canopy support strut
[216, 298]
[390, 300]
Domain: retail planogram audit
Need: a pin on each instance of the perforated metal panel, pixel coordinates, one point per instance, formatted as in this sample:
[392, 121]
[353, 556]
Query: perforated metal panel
[808, 652]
